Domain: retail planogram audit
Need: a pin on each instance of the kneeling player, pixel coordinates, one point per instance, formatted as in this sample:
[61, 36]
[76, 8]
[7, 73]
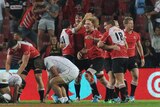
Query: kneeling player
[5, 95]
[61, 72]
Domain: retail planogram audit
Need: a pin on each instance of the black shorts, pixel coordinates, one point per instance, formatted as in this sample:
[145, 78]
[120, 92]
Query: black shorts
[119, 65]
[97, 65]
[108, 64]
[3, 85]
[82, 64]
[132, 63]
[32, 65]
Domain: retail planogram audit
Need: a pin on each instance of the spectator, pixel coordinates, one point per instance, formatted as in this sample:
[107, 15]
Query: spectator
[155, 40]
[149, 54]
[31, 15]
[155, 12]
[15, 9]
[47, 21]
[1, 16]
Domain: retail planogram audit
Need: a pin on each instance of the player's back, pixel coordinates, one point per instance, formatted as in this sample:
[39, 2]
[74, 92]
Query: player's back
[62, 64]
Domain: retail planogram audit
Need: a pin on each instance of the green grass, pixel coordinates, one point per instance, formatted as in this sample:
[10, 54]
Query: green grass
[87, 103]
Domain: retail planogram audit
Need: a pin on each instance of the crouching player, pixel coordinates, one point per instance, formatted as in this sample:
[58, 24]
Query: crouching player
[5, 95]
[61, 72]
[8, 80]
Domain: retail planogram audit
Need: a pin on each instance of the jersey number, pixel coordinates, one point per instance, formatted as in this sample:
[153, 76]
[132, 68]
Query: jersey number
[119, 36]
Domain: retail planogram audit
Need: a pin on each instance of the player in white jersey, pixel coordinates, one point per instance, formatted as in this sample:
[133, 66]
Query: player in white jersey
[15, 81]
[12, 80]
[61, 71]
[5, 95]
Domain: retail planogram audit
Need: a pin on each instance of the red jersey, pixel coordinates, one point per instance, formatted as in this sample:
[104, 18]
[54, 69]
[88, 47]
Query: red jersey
[28, 18]
[118, 38]
[79, 40]
[92, 50]
[25, 49]
[132, 39]
[67, 38]
[106, 40]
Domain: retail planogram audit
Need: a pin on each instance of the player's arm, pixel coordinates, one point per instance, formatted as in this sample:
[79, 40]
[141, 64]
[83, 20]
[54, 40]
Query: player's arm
[38, 10]
[140, 51]
[48, 87]
[101, 44]
[15, 94]
[77, 28]
[25, 59]
[8, 62]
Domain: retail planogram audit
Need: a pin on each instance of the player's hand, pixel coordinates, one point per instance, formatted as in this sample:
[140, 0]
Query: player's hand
[89, 37]
[79, 55]
[100, 44]
[115, 47]
[142, 62]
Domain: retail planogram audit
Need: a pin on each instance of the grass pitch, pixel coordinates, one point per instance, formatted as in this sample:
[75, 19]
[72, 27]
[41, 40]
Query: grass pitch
[86, 103]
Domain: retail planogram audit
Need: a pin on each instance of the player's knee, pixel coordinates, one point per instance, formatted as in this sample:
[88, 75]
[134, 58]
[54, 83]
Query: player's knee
[89, 77]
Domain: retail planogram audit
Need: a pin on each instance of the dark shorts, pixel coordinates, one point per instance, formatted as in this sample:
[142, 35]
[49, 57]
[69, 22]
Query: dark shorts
[3, 85]
[108, 64]
[96, 66]
[32, 65]
[119, 65]
[70, 57]
[82, 64]
[132, 63]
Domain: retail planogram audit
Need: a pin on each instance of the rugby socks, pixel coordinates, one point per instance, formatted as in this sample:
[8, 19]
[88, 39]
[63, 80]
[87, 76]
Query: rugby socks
[107, 94]
[77, 89]
[122, 89]
[117, 91]
[41, 94]
[126, 86]
[133, 88]
[94, 89]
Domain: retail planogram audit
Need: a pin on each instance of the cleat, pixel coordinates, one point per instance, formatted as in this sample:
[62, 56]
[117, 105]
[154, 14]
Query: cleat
[110, 101]
[96, 98]
[77, 99]
[54, 98]
[131, 99]
[117, 100]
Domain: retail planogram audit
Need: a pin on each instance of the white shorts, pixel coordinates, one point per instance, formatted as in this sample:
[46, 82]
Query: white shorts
[69, 75]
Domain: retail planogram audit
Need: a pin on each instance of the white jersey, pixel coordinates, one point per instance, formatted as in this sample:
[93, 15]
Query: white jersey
[14, 79]
[117, 35]
[67, 70]
[61, 63]
[4, 76]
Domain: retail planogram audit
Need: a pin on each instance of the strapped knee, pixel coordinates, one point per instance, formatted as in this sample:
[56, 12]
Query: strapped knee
[89, 77]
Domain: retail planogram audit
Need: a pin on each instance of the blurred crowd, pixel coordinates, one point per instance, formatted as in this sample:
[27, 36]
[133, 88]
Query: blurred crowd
[146, 15]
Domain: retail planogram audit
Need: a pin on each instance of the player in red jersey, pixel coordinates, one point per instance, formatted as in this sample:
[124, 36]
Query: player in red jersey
[94, 54]
[79, 44]
[30, 60]
[119, 56]
[134, 42]
[108, 61]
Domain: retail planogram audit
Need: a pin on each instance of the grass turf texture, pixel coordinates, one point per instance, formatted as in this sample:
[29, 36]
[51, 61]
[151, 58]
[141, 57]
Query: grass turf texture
[86, 103]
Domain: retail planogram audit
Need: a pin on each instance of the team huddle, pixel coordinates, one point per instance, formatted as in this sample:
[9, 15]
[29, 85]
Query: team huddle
[83, 47]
